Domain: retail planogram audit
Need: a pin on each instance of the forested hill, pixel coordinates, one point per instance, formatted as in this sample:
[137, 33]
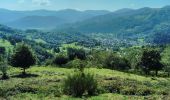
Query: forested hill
[147, 23]
[126, 20]
[125, 27]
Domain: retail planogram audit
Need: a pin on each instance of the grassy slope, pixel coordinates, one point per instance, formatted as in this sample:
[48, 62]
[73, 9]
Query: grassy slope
[51, 78]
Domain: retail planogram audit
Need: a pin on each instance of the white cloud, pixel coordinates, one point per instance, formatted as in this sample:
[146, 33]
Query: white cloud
[41, 2]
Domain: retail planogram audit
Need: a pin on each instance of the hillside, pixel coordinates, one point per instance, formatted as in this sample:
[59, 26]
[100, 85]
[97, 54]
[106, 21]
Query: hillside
[37, 22]
[127, 23]
[45, 83]
[117, 21]
[124, 26]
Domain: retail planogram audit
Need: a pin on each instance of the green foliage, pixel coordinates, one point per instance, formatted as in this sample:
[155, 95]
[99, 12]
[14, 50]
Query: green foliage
[166, 59]
[161, 33]
[77, 63]
[96, 58]
[76, 53]
[49, 85]
[56, 50]
[4, 68]
[151, 61]
[116, 62]
[60, 60]
[2, 50]
[133, 55]
[79, 84]
[23, 57]
[128, 87]
[19, 88]
[3, 63]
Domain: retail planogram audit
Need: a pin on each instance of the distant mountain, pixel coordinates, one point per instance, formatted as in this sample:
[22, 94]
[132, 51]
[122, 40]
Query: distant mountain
[36, 19]
[147, 23]
[37, 22]
[116, 21]
[139, 26]
[127, 20]
[8, 15]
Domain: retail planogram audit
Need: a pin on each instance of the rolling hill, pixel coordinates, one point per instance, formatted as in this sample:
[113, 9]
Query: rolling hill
[127, 23]
[125, 26]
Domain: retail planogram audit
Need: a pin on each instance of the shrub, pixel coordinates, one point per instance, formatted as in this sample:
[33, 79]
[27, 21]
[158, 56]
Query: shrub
[116, 62]
[2, 50]
[79, 84]
[76, 64]
[56, 50]
[91, 84]
[76, 53]
[60, 60]
[3, 68]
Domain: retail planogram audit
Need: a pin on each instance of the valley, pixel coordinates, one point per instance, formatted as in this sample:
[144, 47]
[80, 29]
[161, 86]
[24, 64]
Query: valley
[85, 55]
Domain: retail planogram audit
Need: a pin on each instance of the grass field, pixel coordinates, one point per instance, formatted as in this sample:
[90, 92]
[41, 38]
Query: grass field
[45, 83]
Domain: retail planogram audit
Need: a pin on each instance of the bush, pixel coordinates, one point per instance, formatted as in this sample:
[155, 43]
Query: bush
[76, 53]
[91, 84]
[117, 63]
[4, 68]
[60, 60]
[76, 64]
[79, 84]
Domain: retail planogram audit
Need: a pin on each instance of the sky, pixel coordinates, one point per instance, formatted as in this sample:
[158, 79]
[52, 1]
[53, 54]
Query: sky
[110, 5]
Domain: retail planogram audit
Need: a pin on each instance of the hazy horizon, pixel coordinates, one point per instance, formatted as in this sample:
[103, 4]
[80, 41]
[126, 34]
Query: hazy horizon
[81, 10]
[81, 5]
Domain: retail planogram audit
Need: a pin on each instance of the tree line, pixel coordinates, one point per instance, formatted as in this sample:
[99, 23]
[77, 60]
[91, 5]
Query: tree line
[24, 56]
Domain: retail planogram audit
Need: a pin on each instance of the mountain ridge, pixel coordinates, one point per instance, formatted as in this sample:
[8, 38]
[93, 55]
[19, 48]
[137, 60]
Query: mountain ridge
[10, 17]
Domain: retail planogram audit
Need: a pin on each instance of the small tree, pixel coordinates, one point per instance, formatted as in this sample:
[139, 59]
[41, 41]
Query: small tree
[23, 57]
[4, 67]
[114, 61]
[151, 61]
[166, 59]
